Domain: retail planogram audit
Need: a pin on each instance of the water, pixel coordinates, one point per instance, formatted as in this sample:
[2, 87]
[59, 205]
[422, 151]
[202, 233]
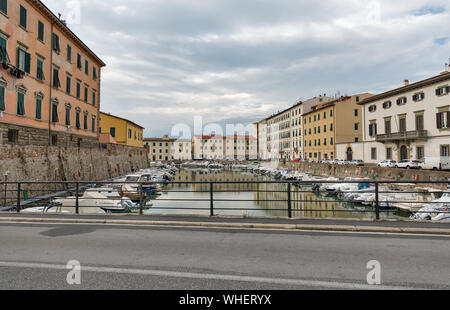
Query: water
[258, 200]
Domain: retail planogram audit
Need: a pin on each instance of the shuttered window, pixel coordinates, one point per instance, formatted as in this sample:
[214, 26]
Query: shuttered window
[79, 65]
[56, 82]
[94, 96]
[78, 90]
[55, 118]
[67, 116]
[20, 104]
[55, 43]
[93, 125]
[38, 108]
[69, 53]
[77, 120]
[23, 17]
[4, 6]
[40, 70]
[442, 120]
[86, 67]
[41, 31]
[3, 52]
[2, 98]
[443, 91]
[85, 122]
[94, 69]
[68, 84]
[86, 94]
[23, 60]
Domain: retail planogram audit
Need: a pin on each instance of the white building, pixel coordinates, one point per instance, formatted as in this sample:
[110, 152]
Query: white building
[410, 122]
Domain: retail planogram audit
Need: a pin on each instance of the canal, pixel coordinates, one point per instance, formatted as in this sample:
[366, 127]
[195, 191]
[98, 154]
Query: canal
[252, 200]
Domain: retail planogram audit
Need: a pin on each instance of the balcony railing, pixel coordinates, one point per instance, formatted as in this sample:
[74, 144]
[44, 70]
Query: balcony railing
[406, 135]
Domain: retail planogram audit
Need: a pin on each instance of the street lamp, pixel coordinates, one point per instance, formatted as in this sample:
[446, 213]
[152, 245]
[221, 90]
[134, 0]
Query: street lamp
[6, 180]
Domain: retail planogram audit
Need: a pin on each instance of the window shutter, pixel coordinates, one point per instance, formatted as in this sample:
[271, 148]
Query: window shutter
[38, 109]
[370, 130]
[3, 6]
[2, 99]
[55, 113]
[448, 119]
[447, 89]
[20, 104]
[439, 120]
[77, 120]
[438, 92]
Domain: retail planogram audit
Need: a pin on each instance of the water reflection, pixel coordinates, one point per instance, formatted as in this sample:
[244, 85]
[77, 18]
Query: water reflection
[261, 199]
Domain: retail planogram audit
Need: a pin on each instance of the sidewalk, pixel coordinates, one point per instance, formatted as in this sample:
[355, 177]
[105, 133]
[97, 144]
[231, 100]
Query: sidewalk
[237, 222]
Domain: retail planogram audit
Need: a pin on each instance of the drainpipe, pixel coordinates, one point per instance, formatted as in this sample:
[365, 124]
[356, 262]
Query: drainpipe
[50, 85]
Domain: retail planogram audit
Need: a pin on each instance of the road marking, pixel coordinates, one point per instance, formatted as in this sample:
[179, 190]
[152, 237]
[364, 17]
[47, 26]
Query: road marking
[205, 276]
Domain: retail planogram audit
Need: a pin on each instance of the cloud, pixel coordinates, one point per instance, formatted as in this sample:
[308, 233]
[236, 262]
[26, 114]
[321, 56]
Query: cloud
[242, 60]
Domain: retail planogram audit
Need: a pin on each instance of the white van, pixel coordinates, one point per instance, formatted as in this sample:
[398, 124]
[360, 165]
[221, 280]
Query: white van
[437, 163]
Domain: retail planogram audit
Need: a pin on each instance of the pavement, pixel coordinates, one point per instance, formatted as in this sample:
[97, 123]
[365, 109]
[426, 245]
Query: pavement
[34, 255]
[386, 226]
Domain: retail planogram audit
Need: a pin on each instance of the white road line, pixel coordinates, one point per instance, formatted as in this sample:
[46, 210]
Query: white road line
[204, 276]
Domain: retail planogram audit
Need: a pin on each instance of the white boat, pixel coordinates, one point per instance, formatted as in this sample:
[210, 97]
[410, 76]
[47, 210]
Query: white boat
[436, 210]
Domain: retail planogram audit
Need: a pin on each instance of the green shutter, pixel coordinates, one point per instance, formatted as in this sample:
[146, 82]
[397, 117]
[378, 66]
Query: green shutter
[69, 53]
[67, 116]
[2, 98]
[38, 109]
[27, 62]
[4, 6]
[54, 113]
[20, 104]
[40, 31]
[23, 17]
[77, 120]
[3, 52]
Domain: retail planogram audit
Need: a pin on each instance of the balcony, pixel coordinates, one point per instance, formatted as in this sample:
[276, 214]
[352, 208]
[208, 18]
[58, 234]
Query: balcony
[403, 136]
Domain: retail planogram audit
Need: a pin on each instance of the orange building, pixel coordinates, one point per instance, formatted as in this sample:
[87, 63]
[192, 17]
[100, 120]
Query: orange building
[49, 79]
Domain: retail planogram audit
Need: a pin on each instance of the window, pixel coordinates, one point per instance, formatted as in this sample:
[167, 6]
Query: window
[331, 113]
[420, 152]
[388, 153]
[86, 67]
[78, 89]
[79, 65]
[23, 17]
[13, 136]
[372, 108]
[129, 135]
[402, 123]
[94, 73]
[93, 124]
[77, 119]
[402, 101]
[20, 104]
[445, 150]
[94, 96]
[356, 112]
[38, 108]
[373, 153]
[68, 84]
[41, 31]
[419, 97]
[331, 127]
[419, 122]
[387, 104]
[40, 70]
[86, 91]
[24, 60]
[372, 130]
[442, 119]
[55, 43]
[324, 128]
[331, 141]
[356, 140]
[112, 132]
[4, 6]
[441, 91]
[2, 98]
[55, 117]
[69, 53]
[356, 126]
[56, 82]
[85, 125]
[387, 126]
[3, 52]
[68, 116]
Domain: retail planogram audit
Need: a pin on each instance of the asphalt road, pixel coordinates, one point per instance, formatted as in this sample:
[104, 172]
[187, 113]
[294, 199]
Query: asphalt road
[34, 256]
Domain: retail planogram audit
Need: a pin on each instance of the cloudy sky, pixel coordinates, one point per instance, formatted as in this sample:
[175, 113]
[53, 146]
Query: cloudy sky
[238, 61]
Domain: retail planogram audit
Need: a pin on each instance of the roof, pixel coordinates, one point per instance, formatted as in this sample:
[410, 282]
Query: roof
[63, 27]
[430, 81]
[121, 118]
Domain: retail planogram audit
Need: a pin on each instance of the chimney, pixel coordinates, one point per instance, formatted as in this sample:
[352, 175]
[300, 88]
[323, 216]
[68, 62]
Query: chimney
[406, 82]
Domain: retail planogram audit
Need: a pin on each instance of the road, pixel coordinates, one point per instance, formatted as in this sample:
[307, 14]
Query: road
[34, 256]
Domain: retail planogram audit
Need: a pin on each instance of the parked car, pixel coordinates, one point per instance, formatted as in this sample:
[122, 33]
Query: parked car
[325, 161]
[341, 162]
[409, 164]
[387, 164]
[356, 162]
[437, 163]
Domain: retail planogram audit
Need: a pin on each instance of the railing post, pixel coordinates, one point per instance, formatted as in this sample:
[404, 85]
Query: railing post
[211, 196]
[77, 196]
[141, 200]
[377, 201]
[289, 201]
[18, 196]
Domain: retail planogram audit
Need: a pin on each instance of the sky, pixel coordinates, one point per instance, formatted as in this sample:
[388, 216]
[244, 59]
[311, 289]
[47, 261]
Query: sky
[239, 61]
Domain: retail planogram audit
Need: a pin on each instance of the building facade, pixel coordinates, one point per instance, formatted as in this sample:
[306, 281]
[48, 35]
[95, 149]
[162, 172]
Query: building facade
[338, 121]
[123, 131]
[230, 147]
[410, 122]
[49, 79]
[160, 149]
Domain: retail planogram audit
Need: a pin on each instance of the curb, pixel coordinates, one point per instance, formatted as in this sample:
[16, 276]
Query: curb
[335, 228]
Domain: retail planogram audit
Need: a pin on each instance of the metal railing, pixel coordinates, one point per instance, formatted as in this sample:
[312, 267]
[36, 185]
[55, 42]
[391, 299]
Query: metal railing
[403, 135]
[294, 196]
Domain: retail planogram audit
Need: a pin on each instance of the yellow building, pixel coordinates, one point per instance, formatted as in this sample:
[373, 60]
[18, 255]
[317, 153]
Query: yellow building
[336, 121]
[123, 131]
